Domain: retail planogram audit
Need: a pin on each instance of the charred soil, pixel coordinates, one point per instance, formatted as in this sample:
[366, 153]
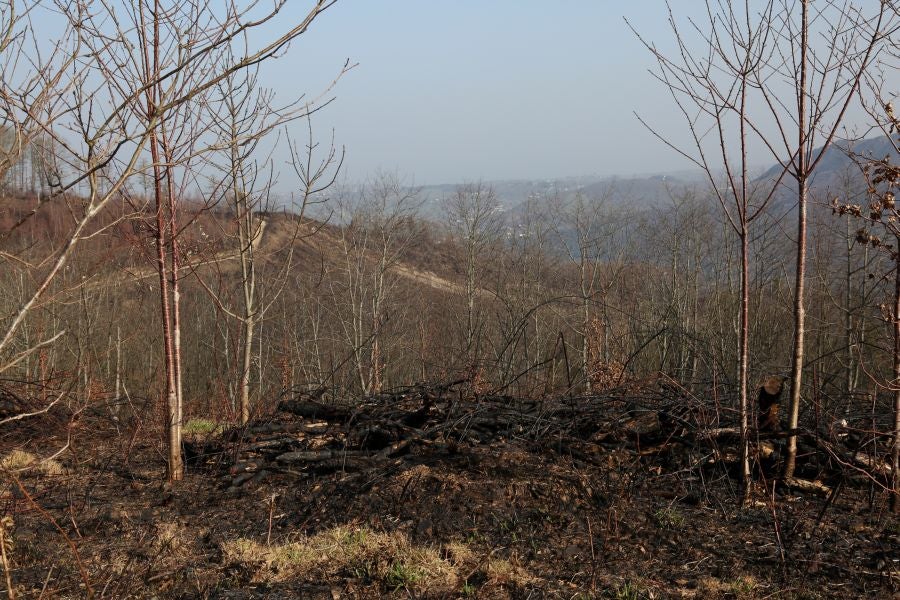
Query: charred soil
[431, 494]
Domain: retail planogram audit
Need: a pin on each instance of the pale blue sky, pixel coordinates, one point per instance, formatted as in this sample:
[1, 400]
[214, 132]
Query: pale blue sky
[447, 91]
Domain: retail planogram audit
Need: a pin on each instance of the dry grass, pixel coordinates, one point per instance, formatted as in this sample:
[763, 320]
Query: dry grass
[18, 460]
[390, 558]
[171, 538]
[459, 554]
[502, 572]
[343, 551]
[742, 588]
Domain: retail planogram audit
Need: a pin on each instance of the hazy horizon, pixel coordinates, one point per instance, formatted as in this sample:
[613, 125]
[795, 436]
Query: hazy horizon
[501, 91]
[450, 92]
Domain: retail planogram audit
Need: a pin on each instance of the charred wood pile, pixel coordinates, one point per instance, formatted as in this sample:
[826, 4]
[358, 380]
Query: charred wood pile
[658, 423]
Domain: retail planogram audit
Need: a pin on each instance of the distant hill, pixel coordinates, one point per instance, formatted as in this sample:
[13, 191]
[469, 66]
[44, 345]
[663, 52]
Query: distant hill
[513, 194]
[839, 159]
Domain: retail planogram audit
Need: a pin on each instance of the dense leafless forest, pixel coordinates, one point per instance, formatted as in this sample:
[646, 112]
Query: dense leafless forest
[635, 388]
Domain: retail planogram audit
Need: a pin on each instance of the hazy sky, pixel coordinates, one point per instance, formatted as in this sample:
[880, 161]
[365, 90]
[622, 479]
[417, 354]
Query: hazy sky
[447, 91]
[457, 90]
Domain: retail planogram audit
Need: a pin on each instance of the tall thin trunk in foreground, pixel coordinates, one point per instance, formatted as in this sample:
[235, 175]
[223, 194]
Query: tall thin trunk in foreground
[164, 231]
[802, 172]
[895, 384]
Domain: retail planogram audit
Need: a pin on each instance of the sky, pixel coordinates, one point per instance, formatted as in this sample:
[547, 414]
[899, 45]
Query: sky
[449, 91]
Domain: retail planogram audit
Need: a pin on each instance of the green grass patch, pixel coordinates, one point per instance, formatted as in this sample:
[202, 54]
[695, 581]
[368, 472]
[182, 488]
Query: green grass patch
[668, 518]
[201, 427]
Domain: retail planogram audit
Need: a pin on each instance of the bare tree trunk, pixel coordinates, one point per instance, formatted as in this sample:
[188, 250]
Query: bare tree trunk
[245, 370]
[173, 406]
[471, 274]
[744, 358]
[802, 193]
[743, 207]
[118, 370]
[260, 362]
[585, 329]
[376, 382]
[246, 237]
[173, 424]
[860, 324]
[848, 315]
[376, 378]
[178, 409]
[895, 384]
[799, 332]
[474, 216]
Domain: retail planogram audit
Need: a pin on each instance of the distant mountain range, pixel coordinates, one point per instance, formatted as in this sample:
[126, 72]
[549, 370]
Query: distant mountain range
[647, 190]
[839, 159]
[513, 194]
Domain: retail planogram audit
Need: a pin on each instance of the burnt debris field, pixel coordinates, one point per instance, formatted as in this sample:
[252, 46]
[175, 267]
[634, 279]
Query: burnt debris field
[433, 491]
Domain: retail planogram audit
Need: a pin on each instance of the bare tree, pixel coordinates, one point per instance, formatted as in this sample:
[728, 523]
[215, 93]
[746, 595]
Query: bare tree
[736, 48]
[587, 232]
[825, 77]
[475, 218]
[379, 227]
[104, 97]
[524, 290]
[882, 233]
[746, 51]
[242, 116]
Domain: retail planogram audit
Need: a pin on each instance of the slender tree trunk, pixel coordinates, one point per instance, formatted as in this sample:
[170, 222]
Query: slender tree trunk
[743, 208]
[470, 302]
[586, 343]
[177, 410]
[744, 358]
[376, 379]
[163, 232]
[358, 325]
[799, 332]
[848, 315]
[860, 325]
[118, 370]
[895, 384]
[246, 237]
[260, 356]
[246, 364]
[173, 424]
[799, 289]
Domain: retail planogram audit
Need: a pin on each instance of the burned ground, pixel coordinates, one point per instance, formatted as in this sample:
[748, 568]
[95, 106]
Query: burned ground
[430, 493]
